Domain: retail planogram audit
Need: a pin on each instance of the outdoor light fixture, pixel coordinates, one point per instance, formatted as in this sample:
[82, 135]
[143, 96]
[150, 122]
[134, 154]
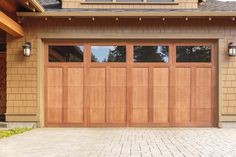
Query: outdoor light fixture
[27, 49]
[232, 49]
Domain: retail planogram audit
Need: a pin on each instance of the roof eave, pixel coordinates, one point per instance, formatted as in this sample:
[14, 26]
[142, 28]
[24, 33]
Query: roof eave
[37, 6]
[129, 14]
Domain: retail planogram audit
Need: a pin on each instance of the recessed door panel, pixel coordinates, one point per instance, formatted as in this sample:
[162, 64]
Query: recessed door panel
[117, 108]
[75, 110]
[140, 95]
[97, 95]
[181, 108]
[201, 110]
[54, 95]
[161, 95]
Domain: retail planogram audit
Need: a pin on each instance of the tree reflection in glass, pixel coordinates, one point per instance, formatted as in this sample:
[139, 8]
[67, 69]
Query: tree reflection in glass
[193, 54]
[65, 54]
[108, 54]
[151, 54]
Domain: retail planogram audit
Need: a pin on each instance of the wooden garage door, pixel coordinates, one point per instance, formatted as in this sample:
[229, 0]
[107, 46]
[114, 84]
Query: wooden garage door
[130, 84]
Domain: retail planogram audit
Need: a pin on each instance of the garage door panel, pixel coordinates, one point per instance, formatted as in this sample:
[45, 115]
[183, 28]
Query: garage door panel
[75, 77]
[160, 95]
[54, 76]
[201, 115]
[97, 115]
[54, 95]
[139, 115]
[118, 77]
[161, 77]
[161, 115]
[203, 97]
[118, 97]
[75, 95]
[54, 107]
[203, 77]
[97, 76]
[203, 88]
[117, 108]
[181, 109]
[140, 97]
[181, 115]
[118, 115]
[97, 95]
[140, 76]
[75, 104]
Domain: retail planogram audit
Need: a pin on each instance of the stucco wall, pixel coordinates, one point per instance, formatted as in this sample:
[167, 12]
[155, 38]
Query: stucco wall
[24, 100]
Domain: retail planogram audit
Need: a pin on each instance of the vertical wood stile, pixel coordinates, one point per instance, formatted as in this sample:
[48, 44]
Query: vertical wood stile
[108, 95]
[65, 95]
[193, 92]
[86, 84]
[172, 53]
[129, 100]
[150, 95]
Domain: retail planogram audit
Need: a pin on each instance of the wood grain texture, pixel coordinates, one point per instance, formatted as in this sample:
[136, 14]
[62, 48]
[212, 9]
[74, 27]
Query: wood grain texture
[182, 95]
[117, 110]
[75, 96]
[161, 95]
[54, 95]
[140, 95]
[97, 97]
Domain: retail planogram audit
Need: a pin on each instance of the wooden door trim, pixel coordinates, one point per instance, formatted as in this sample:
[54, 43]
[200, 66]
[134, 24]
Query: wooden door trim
[129, 65]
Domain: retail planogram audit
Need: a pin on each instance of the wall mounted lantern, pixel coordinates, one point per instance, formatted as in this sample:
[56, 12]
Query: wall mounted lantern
[27, 49]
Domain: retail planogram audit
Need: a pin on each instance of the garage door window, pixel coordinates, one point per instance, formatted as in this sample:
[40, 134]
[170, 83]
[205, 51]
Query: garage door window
[108, 54]
[193, 54]
[151, 54]
[65, 54]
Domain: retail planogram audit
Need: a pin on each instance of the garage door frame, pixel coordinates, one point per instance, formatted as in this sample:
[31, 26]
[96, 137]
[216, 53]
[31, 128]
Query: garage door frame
[129, 65]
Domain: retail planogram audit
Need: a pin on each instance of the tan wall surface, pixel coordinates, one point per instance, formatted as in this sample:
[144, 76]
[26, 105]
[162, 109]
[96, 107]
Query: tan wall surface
[79, 4]
[23, 73]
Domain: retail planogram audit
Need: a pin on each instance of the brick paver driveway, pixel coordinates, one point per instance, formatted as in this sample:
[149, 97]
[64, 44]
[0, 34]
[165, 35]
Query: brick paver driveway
[121, 142]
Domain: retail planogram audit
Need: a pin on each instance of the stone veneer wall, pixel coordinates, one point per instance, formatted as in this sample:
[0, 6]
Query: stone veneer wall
[22, 72]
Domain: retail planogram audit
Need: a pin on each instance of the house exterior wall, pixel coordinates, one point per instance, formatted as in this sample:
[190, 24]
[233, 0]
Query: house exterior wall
[177, 4]
[25, 84]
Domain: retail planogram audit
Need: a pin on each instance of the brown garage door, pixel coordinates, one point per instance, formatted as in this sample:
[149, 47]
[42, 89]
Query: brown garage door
[130, 83]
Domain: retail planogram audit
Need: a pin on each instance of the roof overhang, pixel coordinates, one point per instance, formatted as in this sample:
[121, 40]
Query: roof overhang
[33, 5]
[129, 14]
[10, 26]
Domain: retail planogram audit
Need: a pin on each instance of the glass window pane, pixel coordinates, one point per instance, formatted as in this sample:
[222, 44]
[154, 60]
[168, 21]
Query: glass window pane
[108, 54]
[193, 54]
[151, 54]
[65, 53]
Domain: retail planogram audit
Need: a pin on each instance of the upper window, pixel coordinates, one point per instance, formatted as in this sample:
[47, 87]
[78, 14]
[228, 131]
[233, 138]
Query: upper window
[65, 53]
[193, 54]
[108, 54]
[151, 54]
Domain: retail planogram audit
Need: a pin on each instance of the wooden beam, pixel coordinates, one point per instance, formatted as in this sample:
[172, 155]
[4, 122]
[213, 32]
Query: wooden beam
[10, 26]
[37, 5]
[9, 6]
